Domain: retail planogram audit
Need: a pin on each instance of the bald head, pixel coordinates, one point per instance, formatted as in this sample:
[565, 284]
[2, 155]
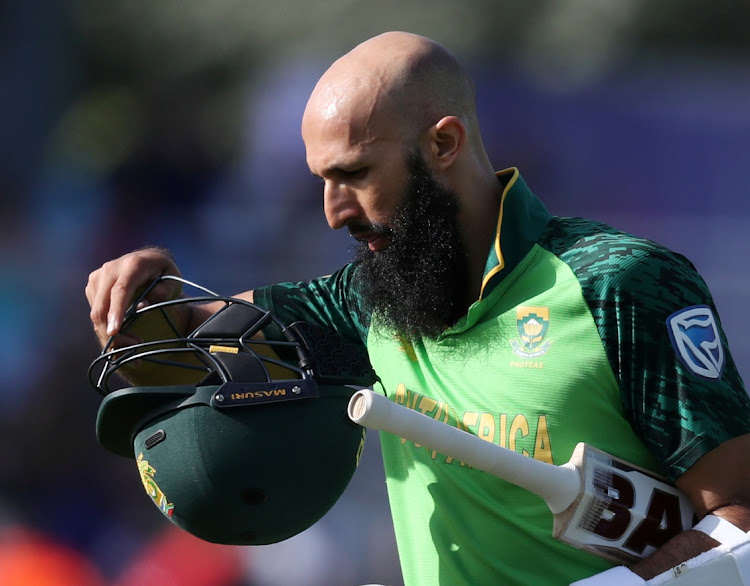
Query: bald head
[397, 79]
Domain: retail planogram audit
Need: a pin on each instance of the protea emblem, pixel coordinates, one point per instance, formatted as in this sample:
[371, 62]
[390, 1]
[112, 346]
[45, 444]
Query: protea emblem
[532, 324]
[152, 489]
[695, 338]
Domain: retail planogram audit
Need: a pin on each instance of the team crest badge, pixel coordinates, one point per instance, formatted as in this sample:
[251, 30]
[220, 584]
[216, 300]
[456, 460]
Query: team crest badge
[152, 489]
[532, 324]
[695, 338]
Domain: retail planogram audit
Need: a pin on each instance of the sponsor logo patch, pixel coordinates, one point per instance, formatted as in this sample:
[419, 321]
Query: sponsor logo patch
[532, 324]
[695, 338]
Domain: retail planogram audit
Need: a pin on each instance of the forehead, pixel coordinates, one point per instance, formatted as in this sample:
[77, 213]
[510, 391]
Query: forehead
[349, 115]
[343, 141]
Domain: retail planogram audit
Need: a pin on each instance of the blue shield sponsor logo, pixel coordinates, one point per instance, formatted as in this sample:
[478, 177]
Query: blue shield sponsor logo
[695, 338]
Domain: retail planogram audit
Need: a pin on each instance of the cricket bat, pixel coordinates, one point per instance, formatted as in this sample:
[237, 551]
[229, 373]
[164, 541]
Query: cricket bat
[600, 503]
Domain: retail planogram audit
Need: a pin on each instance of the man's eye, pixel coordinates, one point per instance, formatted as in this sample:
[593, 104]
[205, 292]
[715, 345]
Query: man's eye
[355, 173]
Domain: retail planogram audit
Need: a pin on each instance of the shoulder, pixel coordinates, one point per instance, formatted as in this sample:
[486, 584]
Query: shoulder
[334, 287]
[606, 260]
[333, 301]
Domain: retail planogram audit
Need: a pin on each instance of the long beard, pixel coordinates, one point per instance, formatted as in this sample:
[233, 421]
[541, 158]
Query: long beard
[417, 286]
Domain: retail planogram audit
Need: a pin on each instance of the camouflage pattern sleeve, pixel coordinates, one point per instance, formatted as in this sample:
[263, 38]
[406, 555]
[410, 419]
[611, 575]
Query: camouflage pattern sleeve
[331, 302]
[679, 385]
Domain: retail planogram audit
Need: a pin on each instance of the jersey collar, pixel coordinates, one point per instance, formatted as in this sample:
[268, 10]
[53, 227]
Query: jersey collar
[520, 223]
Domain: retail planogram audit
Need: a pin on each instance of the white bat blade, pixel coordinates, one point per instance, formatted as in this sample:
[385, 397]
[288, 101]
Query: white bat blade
[625, 512]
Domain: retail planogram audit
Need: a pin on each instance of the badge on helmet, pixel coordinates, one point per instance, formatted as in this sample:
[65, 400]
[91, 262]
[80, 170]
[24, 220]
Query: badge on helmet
[259, 447]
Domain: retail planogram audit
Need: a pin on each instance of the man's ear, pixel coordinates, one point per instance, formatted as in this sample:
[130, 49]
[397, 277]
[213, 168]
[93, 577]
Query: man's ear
[447, 139]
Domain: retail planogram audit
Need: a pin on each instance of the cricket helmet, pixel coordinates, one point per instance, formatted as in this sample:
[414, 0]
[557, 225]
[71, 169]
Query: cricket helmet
[252, 445]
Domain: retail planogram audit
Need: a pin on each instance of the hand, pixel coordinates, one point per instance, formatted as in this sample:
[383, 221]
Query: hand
[113, 287]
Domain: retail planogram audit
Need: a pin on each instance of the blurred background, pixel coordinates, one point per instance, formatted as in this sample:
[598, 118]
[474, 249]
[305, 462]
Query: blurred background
[128, 122]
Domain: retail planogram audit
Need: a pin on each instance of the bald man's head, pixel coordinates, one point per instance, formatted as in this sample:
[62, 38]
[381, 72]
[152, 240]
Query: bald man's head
[392, 132]
[400, 80]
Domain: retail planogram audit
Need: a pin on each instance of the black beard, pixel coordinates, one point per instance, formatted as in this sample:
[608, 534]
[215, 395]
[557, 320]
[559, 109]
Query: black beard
[417, 286]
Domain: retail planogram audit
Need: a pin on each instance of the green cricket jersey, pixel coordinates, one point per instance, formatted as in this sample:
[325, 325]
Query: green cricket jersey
[581, 334]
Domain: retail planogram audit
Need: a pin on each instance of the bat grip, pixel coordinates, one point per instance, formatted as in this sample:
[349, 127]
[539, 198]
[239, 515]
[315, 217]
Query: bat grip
[558, 486]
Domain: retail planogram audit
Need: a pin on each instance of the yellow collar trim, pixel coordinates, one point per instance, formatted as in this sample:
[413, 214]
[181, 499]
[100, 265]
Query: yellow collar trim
[513, 171]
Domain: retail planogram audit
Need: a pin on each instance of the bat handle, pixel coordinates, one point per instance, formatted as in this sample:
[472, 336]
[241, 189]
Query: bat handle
[557, 485]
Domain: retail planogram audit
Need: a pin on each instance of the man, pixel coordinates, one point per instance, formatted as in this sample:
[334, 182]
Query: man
[560, 334]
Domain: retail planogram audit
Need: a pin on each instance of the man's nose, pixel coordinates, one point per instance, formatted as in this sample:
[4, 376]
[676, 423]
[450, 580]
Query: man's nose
[340, 204]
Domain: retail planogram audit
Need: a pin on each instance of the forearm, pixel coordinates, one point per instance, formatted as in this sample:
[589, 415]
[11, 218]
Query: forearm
[688, 544]
[680, 548]
[714, 536]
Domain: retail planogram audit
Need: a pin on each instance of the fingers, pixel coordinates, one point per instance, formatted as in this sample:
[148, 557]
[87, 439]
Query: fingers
[96, 293]
[112, 288]
[162, 291]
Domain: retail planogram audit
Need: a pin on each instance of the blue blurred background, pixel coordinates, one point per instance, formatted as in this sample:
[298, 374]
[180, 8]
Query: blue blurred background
[125, 123]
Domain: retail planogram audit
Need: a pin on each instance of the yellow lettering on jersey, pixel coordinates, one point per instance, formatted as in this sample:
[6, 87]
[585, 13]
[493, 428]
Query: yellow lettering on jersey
[526, 364]
[441, 407]
[470, 419]
[401, 398]
[519, 426]
[414, 399]
[486, 429]
[482, 424]
[427, 404]
[453, 416]
[542, 448]
[503, 429]
[401, 394]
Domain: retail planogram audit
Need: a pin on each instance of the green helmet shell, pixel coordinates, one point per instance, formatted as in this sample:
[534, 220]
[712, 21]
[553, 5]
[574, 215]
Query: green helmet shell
[241, 457]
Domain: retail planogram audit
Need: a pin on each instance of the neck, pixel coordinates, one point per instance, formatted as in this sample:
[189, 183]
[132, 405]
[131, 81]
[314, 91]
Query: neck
[479, 226]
